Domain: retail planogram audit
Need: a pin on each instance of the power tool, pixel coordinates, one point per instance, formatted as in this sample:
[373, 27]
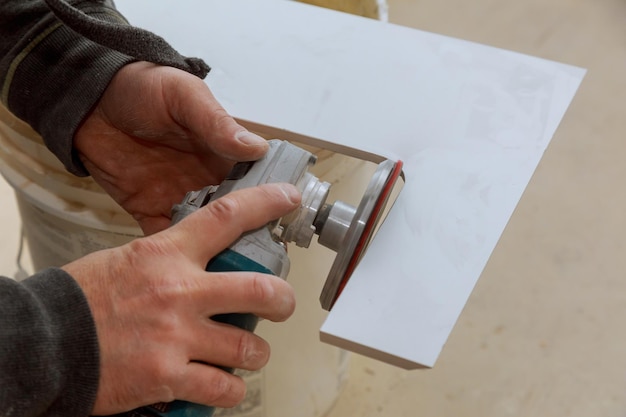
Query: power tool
[340, 227]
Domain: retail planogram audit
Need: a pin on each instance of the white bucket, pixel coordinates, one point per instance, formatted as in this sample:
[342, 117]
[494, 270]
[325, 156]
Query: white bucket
[65, 217]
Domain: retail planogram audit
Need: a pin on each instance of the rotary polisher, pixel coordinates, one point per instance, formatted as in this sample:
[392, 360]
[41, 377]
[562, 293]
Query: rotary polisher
[343, 228]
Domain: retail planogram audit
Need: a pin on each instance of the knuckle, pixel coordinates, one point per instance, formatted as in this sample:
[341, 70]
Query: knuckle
[262, 289]
[275, 198]
[243, 348]
[159, 281]
[272, 295]
[145, 248]
[226, 390]
[224, 209]
[162, 375]
[221, 118]
[251, 353]
[269, 192]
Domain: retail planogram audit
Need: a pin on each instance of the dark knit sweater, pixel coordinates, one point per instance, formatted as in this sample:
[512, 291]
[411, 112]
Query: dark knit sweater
[48, 347]
[51, 76]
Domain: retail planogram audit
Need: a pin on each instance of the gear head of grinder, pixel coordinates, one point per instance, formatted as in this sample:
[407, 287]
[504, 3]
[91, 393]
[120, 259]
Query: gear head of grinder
[340, 227]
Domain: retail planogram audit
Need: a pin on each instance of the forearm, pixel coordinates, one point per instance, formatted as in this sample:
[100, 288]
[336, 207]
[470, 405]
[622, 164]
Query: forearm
[50, 76]
[49, 363]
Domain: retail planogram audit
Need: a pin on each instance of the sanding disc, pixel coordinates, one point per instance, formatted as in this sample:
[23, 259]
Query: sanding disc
[361, 230]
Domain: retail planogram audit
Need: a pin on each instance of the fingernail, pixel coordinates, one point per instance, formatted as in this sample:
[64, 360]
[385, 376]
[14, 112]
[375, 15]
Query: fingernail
[249, 138]
[291, 192]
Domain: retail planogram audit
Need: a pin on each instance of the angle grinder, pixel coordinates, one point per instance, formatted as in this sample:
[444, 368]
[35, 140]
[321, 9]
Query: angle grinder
[343, 228]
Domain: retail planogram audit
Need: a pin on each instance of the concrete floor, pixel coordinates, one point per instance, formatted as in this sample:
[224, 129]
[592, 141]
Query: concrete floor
[543, 333]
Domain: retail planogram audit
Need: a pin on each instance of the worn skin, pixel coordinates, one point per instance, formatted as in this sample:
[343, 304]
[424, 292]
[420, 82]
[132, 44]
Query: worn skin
[152, 301]
[156, 133]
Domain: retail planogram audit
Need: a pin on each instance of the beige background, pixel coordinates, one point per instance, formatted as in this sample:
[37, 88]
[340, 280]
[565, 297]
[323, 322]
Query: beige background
[543, 333]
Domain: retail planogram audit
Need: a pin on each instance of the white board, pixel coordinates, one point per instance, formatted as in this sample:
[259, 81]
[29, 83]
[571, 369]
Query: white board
[470, 122]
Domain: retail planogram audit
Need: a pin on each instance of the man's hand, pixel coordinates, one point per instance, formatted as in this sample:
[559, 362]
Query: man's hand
[156, 134]
[152, 301]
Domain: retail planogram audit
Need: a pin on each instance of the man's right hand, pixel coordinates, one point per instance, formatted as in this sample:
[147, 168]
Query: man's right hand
[152, 301]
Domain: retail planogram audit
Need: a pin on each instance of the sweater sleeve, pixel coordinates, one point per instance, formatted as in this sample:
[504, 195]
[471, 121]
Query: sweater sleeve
[57, 58]
[50, 76]
[49, 363]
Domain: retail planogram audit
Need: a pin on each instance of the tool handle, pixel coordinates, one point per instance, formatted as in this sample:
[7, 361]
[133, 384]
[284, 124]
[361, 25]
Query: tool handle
[226, 261]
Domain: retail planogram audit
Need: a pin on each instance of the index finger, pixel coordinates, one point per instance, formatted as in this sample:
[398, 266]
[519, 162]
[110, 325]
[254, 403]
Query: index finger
[212, 228]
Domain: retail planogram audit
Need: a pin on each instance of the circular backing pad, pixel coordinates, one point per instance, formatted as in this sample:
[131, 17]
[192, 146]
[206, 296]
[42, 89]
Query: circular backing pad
[361, 230]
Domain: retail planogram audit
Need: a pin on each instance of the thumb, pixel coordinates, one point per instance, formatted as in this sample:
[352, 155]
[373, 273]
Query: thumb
[211, 229]
[199, 112]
